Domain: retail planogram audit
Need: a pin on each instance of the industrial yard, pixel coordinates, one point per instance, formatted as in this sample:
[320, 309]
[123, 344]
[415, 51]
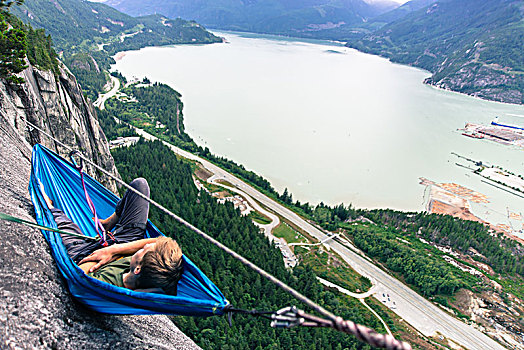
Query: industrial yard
[503, 177]
[464, 192]
[505, 134]
[453, 199]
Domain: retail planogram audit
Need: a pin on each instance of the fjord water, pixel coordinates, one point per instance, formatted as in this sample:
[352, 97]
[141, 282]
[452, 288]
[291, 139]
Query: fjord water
[329, 123]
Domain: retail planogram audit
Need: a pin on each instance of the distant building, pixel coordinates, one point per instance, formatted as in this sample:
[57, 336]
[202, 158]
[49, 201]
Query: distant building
[123, 141]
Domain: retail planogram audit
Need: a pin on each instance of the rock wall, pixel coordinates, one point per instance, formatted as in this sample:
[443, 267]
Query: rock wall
[36, 309]
[481, 81]
[56, 105]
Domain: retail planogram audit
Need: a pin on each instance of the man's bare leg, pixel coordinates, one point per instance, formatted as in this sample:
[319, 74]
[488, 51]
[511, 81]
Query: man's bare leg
[108, 223]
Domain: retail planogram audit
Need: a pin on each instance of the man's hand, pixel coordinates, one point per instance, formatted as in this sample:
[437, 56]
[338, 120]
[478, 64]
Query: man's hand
[101, 257]
[108, 254]
[104, 223]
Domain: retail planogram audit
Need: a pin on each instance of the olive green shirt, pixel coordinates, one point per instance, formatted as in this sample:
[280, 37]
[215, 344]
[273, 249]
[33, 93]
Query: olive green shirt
[113, 272]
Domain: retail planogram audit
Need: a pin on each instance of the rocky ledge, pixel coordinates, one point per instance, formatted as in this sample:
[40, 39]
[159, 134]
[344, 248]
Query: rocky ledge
[36, 309]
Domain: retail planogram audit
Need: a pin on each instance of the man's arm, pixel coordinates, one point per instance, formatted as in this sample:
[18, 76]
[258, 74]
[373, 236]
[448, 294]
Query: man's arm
[106, 255]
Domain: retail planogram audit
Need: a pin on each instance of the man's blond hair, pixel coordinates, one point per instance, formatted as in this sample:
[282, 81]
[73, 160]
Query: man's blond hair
[162, 266]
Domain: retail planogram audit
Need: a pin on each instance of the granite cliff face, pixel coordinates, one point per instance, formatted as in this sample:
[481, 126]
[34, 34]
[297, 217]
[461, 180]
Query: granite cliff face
[56, 105]
[36, 309]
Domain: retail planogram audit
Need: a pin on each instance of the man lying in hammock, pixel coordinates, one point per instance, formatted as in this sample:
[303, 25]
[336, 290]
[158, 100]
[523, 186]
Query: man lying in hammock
[130, 261]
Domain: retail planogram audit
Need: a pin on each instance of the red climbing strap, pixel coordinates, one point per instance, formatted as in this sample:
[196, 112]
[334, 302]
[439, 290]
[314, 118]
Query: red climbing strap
[100, 230]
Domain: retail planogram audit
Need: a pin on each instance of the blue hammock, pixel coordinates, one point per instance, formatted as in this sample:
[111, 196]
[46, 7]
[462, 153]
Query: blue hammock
[197, 295]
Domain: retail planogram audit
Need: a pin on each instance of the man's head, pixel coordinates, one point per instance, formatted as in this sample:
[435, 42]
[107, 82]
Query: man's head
[157, 265]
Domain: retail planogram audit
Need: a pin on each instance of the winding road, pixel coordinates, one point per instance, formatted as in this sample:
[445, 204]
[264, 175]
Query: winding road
[268, 228]
[101, 100]
[420, 313]
[290, 259]
[360, 296]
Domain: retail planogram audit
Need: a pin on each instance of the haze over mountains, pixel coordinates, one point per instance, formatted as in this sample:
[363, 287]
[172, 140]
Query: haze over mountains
[268, 16]
[401, 11]
[474, 47]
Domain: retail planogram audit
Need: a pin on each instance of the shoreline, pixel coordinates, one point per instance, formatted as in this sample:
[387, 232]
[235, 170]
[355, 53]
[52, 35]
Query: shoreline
[280, 36]
[434, 85]
[468, 95]
[335, 43]
[417, 208]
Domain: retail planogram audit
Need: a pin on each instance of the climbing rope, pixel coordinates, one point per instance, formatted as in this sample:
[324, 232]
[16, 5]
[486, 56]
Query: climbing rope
[291, 317]
[361, 332]
[35, 225]
[99, 228]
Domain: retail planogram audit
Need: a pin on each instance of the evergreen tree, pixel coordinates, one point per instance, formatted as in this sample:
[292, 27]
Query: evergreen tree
[12, 48]
[172, 185]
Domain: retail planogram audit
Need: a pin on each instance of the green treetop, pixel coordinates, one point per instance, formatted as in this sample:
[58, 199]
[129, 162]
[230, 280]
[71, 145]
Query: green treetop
[12, 48]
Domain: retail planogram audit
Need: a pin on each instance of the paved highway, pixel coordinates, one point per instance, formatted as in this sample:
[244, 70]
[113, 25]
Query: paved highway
[101, 100]
[413, 308]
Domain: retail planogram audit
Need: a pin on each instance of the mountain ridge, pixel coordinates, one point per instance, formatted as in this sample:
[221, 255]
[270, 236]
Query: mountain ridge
[266, 16]
[471, 47]
[76, 25]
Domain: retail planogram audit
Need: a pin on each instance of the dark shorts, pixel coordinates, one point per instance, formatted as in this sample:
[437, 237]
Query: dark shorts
[132, 211]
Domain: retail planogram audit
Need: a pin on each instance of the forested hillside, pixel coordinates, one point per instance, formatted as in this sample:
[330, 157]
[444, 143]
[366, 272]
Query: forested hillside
[473, 47]
[79, 25]
[295, 18]
[172, 185]
[87, 34]
[400, 12]
[504, 255]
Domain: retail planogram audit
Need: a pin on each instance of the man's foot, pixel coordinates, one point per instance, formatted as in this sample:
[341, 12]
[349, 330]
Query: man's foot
[48, 200]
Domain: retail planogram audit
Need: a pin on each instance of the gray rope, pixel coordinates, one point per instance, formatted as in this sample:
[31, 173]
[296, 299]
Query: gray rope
[11, 218]
[361, 332]
[290, 316]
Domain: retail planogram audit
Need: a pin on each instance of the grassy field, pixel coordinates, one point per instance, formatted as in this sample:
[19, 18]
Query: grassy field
[225, 183]
[291, 236]
[259, 218]
[213, 188]
[331, 267]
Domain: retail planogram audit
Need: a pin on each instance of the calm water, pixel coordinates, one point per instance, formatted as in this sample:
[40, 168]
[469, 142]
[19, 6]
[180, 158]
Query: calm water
[329, 123]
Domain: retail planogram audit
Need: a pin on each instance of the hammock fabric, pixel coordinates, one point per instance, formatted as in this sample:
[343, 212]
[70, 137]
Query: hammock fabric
[197, 295]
